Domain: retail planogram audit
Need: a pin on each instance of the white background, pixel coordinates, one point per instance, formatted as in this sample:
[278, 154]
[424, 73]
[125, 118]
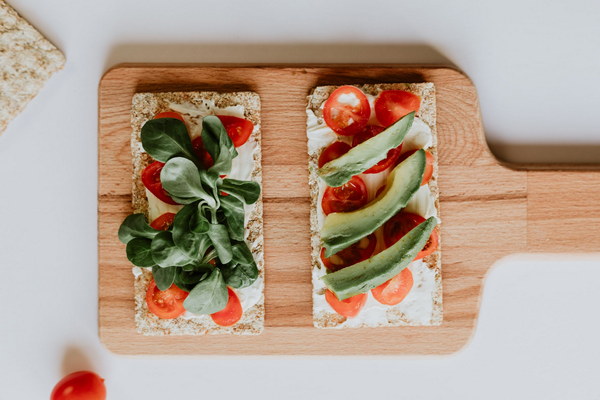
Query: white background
[536, 65]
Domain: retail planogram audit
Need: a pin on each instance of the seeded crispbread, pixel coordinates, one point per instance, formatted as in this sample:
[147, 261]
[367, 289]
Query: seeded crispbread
[27, 61]
[325, 317]
[144, 107]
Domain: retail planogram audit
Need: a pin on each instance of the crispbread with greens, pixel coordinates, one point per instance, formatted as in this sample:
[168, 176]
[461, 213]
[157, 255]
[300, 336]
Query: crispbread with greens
[194, 106]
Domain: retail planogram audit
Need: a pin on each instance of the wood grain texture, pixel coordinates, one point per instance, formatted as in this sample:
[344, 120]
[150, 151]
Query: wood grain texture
[488, 210]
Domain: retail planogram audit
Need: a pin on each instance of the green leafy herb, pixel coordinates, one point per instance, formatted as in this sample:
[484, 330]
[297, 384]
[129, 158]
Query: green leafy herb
[248, 191]
[135, 226]
[219, 237]
[181, 179]
[208, 296]
[192, 243]
[218, 144]
[139, 252]
[233, 212]
[165, 253]
[164, 277]
[187, 279]
[242, 270]
[165, 138]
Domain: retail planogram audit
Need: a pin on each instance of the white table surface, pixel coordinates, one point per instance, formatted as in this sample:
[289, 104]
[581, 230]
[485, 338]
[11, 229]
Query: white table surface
[537, 68]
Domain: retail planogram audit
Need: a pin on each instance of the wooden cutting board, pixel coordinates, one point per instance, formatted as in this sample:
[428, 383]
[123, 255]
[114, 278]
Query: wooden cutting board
[488, 210]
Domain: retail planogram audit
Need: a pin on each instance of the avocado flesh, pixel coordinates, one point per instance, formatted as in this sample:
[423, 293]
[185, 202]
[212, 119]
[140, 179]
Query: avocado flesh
[366, 275]
[365, 155]
[340, 230]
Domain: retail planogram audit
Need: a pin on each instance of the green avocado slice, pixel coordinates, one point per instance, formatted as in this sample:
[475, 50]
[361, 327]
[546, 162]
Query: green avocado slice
[365, 155]
[340, 230]
[366, 275]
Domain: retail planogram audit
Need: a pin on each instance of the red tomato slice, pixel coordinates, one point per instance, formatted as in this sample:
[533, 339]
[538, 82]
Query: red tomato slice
[352, 195]
[333, 151]
[347, 110]
[391, 105]
[163, 222]
[347, 308]
[151, 179]
[80, 385]
[201, 153]
[402, 223]
[395, 290]
[429, 160]
[231, 313]
[392, 155]
[238, 129]
[165, 304]
[351, 255]
[169, 114]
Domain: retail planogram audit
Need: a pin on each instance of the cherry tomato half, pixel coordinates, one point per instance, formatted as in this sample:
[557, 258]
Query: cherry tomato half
[351, 255]
[347, 308]
[391, 105]
[80, 385]
[238, 129]
[402, 223]
[169, 114]
[351, 196]
[151, 180]
[165, 304]
[395, 290]
[333, 151]
[392, 155]
[163, 222]
[347, 110]
[231, 313]
[428, 173]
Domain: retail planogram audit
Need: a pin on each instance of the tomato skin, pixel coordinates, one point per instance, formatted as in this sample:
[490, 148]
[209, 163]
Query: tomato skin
[351, 255]
[80, 385]
[151, 180]
[429, 161]
[391, 105]
[392, 155]
[344, 118]
[351, 196]
[165, 304]
[402, 223]
[169, 114]
[232, 312]
[163, 222]
[395, 290]
[347, 308]
[238, 129]
[333, 151]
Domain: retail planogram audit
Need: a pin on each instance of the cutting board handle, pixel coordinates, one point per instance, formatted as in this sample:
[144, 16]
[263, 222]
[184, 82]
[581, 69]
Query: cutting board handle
[563, 211]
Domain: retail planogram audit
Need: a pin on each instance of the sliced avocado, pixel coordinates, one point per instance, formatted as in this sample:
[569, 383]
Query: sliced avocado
[365, 155]
[368, 274]
[340, 230]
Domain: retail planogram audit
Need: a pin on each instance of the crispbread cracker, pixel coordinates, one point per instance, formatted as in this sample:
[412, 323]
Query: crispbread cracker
[144, 107]
[27, 61]
[393, 316]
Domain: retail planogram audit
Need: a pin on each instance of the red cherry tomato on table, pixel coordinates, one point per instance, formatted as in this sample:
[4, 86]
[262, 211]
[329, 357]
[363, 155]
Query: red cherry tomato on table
[151, 180]
[163, 222]
[428, 173]
[391, 105]
[351, 255]
[169, 114]
[333, 151]
[80, 385]
[351, 196]
[347, 110]
[395, 290]
[231, 313]
[238, 129]
[165, 304]
[347, 308]
[402, 223]
[392, 155]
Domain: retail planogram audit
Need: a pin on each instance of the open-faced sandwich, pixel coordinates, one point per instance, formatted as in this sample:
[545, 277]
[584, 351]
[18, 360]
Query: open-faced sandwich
[374, 205]
[195, 235]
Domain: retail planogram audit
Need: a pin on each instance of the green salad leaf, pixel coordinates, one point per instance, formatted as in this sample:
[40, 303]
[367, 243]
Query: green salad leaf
[139, 252]
[242, 270]
[164, 277]
[165, 138]
[165, 253]
[247, 191]
[233, 212]
[187, 279]
[209, 295]
[218, 144]
[219, 237]
[181, 179]
[135, 226]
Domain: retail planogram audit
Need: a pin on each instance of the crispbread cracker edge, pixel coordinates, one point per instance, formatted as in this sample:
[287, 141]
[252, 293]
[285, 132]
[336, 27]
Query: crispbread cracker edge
[427, 113]
[144, 107]
[27, 61]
